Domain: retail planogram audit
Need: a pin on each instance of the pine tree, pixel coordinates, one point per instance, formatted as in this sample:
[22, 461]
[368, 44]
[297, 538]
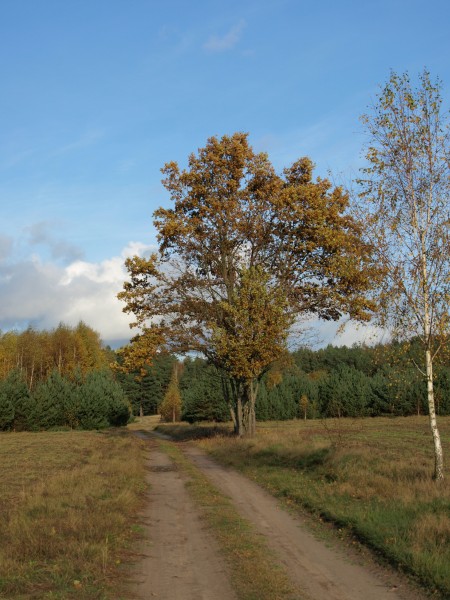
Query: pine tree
[6, 408]
[201, 388]
[53, 403]
[101, 402]
[14, 387]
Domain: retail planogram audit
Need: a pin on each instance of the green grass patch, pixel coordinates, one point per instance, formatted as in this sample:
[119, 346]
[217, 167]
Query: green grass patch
[67, 500]
[371, 477]
[255, 574]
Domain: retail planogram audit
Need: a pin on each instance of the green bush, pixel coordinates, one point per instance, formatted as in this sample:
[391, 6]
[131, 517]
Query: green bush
[53, 403]
[100, 402]
[345, 393]
[202, 392]
[6, 408]
[15, 402]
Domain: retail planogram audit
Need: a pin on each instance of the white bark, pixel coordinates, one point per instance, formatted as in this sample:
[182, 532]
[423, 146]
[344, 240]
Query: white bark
[438, 454]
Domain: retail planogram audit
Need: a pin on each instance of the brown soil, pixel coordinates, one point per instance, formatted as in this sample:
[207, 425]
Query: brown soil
[182, 562]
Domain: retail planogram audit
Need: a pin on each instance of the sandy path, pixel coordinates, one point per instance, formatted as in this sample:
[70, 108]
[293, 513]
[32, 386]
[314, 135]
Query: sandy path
[322, 572]
[181, 560]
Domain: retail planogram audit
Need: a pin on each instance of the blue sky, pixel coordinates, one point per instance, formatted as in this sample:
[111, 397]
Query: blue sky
[98, 94]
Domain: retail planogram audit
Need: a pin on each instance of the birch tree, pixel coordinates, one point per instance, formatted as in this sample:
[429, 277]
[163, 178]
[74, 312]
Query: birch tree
[405, 189]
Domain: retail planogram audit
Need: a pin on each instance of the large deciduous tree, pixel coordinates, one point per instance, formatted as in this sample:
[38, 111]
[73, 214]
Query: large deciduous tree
[406, 192]
[242, 253]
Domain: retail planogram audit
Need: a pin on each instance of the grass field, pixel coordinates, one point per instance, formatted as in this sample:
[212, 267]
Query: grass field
[68, 500]
[66, 504]
[371, 478]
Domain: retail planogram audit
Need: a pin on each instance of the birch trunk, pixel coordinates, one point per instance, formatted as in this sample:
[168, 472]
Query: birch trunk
[438, 454]
[31, 376]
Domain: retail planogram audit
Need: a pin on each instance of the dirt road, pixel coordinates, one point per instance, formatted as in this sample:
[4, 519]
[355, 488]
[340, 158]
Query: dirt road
[182, 561]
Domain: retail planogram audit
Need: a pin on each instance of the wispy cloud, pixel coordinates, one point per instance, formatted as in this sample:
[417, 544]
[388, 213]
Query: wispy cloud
[126, 165]
[17, 159]
[217, 43]
[19, 152]
[6, 244]
[347, 333]
[84, 141]
[41, 234]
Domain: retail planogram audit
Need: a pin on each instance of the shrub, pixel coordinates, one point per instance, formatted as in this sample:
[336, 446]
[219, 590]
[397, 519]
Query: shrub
[14, 402]
[53, 403]
[100, 402]
[6, 409]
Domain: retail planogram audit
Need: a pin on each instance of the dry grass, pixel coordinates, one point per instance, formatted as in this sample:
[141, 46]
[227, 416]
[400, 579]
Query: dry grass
[372, 477]
[66, 503]
[147, 423]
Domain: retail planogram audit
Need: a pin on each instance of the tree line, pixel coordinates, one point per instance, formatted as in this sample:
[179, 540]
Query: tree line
[94, 401]
[36, 354]
[58, 379]
[361, 381]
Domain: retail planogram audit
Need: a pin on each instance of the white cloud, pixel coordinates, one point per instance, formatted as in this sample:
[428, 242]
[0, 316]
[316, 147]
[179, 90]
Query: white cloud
[43, 294]
[344, 333]
[216, 43]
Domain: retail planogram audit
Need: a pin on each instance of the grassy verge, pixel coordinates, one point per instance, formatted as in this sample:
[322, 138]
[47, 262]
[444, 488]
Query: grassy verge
[370, 477]
[254, 573]
[66, 499]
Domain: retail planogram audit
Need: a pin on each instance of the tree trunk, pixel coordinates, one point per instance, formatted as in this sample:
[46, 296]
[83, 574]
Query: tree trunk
[233, 417]
[242, 408]
[250, 391]
[234, 395]
[239, 417]
[438, 454]
[251, 424]
[31, 375]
